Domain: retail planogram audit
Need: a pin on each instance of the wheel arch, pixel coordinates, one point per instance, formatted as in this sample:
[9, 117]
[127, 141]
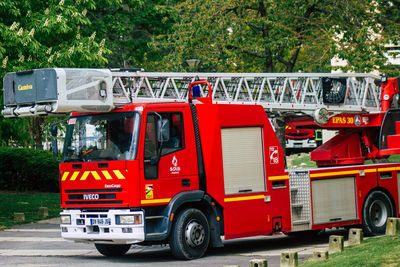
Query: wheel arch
[199, 200]
[384, 190]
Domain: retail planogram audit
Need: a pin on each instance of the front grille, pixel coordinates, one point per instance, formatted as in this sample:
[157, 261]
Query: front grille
[93, 202]
[82, 196]
[298, 134]
[92, 196]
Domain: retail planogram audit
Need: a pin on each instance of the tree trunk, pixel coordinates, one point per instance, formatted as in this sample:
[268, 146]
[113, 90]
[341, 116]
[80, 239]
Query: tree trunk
[36, 131]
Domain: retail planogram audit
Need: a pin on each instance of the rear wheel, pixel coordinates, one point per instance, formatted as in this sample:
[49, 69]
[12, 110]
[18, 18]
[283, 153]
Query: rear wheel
[190, 235]
[112, 250]
[377, 208]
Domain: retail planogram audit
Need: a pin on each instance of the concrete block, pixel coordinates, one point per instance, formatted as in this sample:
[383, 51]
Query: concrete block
[393, 226]
[289, 259]
[43, 212]
[19, 216]
[258, 263]
[320, 255]
[336, 244]
[356, 236]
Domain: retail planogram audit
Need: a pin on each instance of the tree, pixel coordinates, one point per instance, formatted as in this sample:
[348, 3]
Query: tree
[128, 27]
[275, 36]
[40, 34]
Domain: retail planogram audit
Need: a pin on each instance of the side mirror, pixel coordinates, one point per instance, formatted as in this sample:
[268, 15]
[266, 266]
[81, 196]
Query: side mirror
[163, 130]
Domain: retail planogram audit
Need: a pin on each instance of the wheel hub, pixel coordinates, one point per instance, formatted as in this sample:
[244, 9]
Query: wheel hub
[378, 213]
[194, 234]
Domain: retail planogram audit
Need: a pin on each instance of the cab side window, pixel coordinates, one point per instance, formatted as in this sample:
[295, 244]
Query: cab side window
[176, 140]
[152, 147]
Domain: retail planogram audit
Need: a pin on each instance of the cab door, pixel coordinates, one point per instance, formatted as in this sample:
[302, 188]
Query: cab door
[169, 164]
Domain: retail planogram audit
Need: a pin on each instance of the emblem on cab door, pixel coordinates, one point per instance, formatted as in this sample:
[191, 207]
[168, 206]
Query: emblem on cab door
[273, 155]
[175, 169]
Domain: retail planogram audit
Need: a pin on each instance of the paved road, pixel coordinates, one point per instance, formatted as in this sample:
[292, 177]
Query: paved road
[40, 244]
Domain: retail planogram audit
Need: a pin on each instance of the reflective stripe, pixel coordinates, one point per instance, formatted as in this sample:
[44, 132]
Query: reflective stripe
[280, 177]
[64, 177]
[107, 175]
[154, 201]
[74, 175]
[387, 169]
[119, 174]
[232, 199]
[85, 175]
[95, 175]
[326, 174]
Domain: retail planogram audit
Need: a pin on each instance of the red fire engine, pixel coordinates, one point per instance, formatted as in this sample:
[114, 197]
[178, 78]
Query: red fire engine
[153, 158]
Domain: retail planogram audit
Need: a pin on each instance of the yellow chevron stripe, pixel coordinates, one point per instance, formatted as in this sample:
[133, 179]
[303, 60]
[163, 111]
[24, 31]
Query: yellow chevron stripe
[107, 175]
[119, 174]
[84, 175]
[279, 177]
[74, 175]
[65, 175]
[96, 175]
[232, 199]
[155, 201]
[369, 170]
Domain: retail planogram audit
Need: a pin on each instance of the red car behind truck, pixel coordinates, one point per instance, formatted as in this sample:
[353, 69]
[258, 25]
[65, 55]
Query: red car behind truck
[187, 173]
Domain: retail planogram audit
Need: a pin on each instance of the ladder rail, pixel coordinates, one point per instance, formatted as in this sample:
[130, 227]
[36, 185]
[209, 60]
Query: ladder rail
[102, 89]
[286, 92]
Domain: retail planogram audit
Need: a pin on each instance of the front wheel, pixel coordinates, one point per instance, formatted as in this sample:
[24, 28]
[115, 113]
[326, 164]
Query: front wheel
[190, 235]
[112, 250]
[376, 210]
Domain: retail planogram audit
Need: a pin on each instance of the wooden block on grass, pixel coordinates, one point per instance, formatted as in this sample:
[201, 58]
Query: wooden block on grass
[258, 263]
[356, 236]
[19, 216]
[336, 244]
[393, 226]
[289, 259]
[320, 255]
[43, 212]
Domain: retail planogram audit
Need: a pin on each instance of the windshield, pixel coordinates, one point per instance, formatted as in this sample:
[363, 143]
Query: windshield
[99, 137]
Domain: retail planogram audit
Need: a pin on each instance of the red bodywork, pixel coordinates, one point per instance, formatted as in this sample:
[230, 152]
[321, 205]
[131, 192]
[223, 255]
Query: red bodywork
[244, 214]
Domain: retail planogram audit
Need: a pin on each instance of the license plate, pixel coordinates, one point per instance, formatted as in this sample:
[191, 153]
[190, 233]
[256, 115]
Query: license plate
[100, 221]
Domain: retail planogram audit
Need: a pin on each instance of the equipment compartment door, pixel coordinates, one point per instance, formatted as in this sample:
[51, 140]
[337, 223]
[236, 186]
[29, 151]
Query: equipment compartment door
[244, 181]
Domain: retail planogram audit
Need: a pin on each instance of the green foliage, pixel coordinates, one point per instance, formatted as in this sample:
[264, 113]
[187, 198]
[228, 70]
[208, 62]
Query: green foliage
[276, 36]
[24, 169]
[27, 203]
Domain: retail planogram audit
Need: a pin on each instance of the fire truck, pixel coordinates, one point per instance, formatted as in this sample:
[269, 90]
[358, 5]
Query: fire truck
[171, 158]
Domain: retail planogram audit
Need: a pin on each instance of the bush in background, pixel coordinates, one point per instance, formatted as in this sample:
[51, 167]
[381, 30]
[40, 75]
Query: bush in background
[23, 169]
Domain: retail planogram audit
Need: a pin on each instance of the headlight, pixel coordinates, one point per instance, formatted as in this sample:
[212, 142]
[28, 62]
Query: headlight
[128, 219]
[65, 219]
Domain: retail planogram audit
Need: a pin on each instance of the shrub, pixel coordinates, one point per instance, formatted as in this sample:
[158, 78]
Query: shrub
[23, 169]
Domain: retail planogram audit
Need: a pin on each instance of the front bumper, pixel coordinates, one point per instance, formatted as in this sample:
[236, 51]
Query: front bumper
[85, 227]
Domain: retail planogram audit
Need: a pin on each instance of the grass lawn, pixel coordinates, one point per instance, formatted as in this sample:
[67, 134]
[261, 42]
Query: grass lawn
[381, 251]
[28, 203]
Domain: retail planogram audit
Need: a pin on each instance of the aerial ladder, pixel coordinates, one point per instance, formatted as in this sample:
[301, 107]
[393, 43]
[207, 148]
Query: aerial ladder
[361, 106]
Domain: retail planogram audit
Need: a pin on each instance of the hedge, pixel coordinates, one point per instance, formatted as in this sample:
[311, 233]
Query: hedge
[23, 169]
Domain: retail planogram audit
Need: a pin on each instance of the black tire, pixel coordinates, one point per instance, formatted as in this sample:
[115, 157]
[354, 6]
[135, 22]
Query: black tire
[190, 235]
[377, 208]
[112, 250]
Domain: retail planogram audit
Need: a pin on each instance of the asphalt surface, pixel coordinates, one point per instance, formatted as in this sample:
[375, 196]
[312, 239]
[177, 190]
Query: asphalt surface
[40, 244]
